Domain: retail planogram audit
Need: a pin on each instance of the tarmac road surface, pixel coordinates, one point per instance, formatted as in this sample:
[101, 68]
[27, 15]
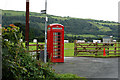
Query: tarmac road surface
[89, 67]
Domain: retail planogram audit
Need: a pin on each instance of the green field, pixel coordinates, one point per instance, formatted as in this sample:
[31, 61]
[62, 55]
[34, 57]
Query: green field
[69, 50]
[109, 23]
[101, 28]
[84, 35]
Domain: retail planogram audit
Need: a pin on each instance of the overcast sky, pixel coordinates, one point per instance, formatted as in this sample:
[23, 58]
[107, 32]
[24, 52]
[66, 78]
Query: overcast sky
[94, 9]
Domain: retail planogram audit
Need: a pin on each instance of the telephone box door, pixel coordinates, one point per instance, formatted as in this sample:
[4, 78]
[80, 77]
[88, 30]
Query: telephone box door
[58, 46]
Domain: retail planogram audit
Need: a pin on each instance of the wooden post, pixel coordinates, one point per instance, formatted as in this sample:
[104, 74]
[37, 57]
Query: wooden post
[37, 51]
[115, 49]
[27, 25]
[96, 49]
[108, 50]
[27, 46]
[75, 48]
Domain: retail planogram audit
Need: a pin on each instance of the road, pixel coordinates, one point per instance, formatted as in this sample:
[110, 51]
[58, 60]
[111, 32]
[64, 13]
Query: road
[89, 67]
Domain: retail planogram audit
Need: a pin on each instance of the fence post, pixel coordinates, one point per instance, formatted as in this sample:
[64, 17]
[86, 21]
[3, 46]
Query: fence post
[108, 50]
[37, 56]
[115, 49]
[96, 48]
[27, 46]
[75, 48]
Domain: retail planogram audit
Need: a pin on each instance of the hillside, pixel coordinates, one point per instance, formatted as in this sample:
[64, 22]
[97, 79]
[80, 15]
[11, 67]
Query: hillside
[76, 28]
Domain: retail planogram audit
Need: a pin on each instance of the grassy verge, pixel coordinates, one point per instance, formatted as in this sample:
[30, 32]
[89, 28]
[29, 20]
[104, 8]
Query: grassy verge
[69, 76]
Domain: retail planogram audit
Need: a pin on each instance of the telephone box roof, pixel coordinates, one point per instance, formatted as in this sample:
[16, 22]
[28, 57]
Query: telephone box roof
[56, 24]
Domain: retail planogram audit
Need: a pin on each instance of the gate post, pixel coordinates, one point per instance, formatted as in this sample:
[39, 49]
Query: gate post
[115, 48]
[108, 49]
[75, 48]
[37, 54]
[96, 49]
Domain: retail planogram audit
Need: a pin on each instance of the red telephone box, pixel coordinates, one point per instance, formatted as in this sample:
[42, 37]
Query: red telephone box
[55, 42]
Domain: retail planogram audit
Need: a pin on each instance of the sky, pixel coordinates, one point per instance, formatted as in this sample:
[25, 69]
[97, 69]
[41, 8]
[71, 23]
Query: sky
[88, 9]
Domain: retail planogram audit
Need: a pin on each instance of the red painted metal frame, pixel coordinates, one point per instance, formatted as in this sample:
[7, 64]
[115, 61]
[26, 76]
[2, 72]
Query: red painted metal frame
[50, 47]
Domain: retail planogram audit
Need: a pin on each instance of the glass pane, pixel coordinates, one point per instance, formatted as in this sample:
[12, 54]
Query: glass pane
[56, 33]
[56, 47]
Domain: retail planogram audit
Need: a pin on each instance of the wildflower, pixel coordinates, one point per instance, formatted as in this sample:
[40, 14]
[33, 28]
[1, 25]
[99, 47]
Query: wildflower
[15, 29]
[11, 25]
[5, 39]
[4, 29]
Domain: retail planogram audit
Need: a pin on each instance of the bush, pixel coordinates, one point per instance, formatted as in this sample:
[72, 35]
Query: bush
[17, 64]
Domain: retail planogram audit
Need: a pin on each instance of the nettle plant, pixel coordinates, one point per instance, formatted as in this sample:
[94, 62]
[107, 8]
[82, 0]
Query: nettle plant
[16, 62]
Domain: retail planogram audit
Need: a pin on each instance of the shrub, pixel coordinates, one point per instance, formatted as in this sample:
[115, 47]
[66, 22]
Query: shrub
[18, 64]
